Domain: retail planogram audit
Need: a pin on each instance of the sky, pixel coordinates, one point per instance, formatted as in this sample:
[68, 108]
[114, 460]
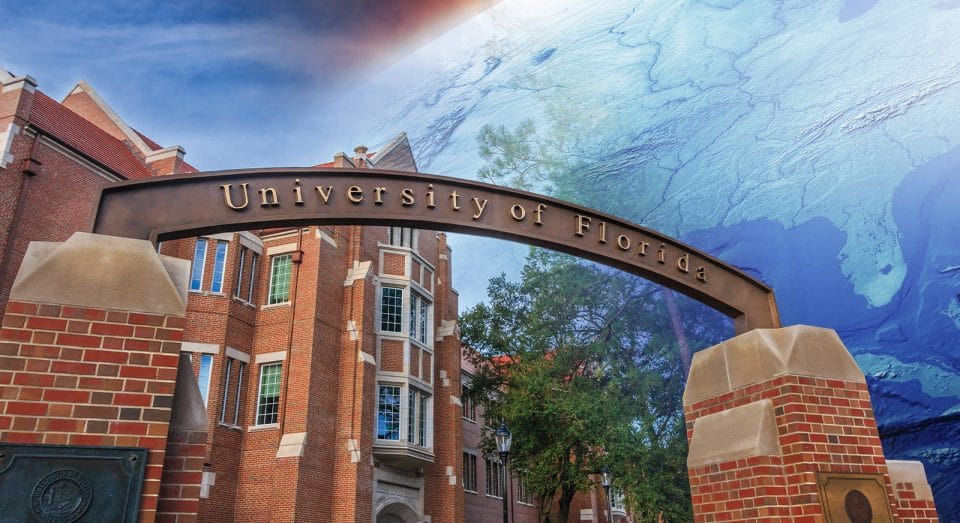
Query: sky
[237, 84]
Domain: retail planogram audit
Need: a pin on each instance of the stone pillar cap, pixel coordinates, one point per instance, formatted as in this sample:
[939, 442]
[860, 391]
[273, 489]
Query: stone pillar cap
[105, 272]
[761, 354]
[910, 472]
[740, 432]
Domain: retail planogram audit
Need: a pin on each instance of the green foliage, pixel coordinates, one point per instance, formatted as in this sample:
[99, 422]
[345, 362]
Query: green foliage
[574, 359]
[580, 361]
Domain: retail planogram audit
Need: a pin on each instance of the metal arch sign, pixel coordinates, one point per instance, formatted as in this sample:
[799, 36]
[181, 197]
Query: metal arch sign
[181, 206]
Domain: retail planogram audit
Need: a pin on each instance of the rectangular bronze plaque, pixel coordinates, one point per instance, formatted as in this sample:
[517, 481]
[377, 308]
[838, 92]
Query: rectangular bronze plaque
[853, 498]
[64, 484]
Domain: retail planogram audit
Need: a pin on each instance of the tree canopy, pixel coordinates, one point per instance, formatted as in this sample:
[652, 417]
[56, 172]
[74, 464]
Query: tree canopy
[581, 364]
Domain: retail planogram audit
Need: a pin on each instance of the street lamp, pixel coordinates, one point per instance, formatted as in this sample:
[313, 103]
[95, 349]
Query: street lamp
[605, 478]
[504, 439]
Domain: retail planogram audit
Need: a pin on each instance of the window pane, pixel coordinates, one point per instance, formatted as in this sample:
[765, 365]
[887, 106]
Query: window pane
[199, 258]
[219, 262]
[412, 417]
[203, 379]
[423, 321]
[238, 284]
[388, 412]
[391, 309]
[253, 276]
[268, 400]
[226, 390]
[236, 405]
[280, 279]
[414, 299]
[422, 421]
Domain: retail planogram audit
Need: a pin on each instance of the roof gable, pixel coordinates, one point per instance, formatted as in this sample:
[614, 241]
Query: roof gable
[83, 136]
[86, 102]
[396, 155]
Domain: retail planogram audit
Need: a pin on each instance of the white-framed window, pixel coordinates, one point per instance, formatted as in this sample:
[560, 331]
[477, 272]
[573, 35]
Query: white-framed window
[469, 404]
[203, 377]
[238, 282]
[268, 395]
[246, 274]
[226, 390]
[254, 259]
[494, 478]
[419, 312]
[391, 309]
[199, 261]
[281, 269]
[470, 472]
[402, 237]
[388, 412]
[219, 264]
[233, 376]
[418, 405]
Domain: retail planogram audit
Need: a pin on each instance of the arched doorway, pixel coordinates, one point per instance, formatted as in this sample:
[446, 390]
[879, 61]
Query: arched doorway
[397, 513]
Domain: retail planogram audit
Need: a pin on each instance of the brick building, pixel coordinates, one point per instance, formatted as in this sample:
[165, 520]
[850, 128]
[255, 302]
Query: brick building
[327, 357]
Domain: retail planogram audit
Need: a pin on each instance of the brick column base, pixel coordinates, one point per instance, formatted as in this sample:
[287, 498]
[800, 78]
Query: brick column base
[89, 350]
[781, 427]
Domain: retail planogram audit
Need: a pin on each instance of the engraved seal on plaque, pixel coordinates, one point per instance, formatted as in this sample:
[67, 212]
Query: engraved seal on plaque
[61, 497]
[857, 507]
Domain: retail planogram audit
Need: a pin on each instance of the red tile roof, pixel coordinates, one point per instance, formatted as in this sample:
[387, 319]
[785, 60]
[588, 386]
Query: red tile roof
[154, 146]
[85, 137]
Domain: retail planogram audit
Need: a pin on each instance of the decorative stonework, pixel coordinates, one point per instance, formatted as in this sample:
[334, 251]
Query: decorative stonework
[781, 428]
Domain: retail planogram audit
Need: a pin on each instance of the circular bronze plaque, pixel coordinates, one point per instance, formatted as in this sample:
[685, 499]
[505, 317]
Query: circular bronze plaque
[858, 507]
[61, 497]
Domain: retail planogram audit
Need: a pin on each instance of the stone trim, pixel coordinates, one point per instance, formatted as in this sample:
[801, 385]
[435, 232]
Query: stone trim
[281, 249]
[910, 472]
[237, 355]
[203, 348]
[740, 432]
[271, 357]
[107, 272]
[292, 445]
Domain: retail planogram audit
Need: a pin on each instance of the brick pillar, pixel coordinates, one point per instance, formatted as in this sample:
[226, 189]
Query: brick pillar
[443, 478]
[185, 452]
[781, 427]
[89, 348]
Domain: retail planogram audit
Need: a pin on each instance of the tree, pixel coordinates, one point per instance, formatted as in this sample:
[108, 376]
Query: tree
[572, 359]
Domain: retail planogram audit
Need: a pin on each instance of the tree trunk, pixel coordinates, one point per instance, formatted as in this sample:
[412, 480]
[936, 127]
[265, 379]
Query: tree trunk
[566, 497]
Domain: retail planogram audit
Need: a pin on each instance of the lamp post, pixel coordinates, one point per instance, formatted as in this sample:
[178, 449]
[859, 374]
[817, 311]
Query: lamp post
[605, 478]
[504, 439]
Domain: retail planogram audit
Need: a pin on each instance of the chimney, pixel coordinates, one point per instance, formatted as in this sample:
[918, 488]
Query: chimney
[361, 155]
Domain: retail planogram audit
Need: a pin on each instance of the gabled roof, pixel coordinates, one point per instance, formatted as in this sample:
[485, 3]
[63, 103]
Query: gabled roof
[82, 135]
[396, 155]
[124, 131]
[5, 75]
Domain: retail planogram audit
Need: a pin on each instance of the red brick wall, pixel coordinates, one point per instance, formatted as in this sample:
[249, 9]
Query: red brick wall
[391, 356]
[911, 509]
[84, 376]
[182, 472]
[394, 264]
[823, 425]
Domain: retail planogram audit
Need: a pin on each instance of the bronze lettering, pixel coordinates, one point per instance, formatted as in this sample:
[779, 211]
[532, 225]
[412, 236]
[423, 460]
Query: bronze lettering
[228, 198]
[297, 191]
[623, 242]
[603, 232]
[430, 202]
[702, 274]
[480, 206]
[538, 214]
[517, 212]
[378, 195]
[455, 201]
[354, 194]
[662, 253]
[683, 263]
[272, 201]
[642, 248]
[324, 192]
[406, 197]
[583, 224]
